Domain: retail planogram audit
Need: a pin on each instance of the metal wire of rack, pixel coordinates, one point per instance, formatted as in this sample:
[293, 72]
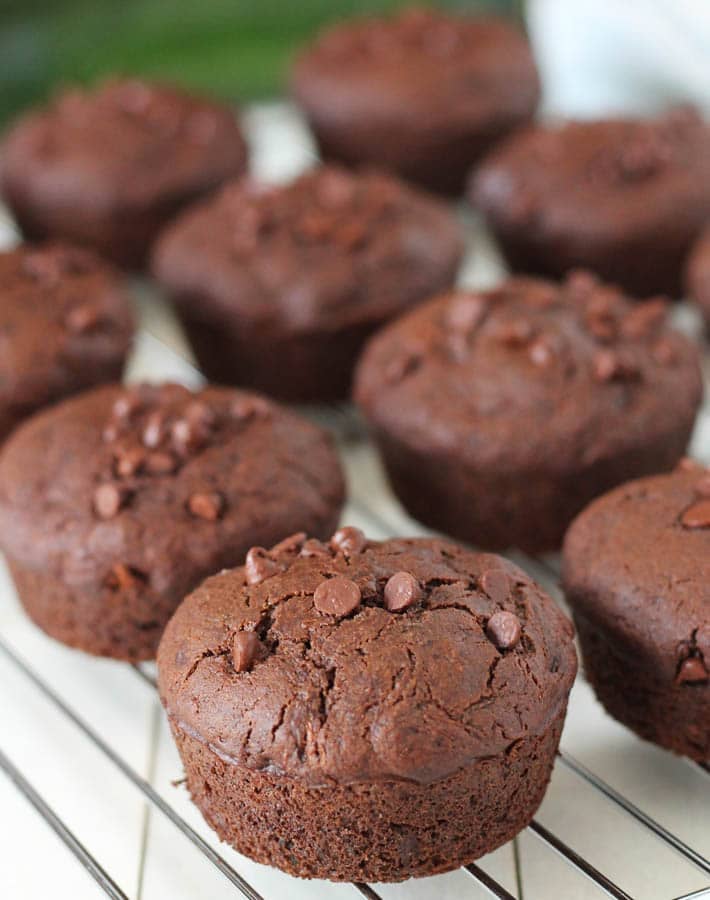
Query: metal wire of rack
[347, 428]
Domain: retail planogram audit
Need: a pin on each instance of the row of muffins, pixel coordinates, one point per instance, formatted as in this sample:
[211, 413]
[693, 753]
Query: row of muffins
[346, 708]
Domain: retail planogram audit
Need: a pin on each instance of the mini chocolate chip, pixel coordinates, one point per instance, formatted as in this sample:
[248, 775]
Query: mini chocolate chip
[126, 405]
[401, 366]
[245, 648]
[466, 312]
[110, 433]
[108, 500]
[128, 461]
[605, 365]
[200, 414]
[580, 283]
[645, 318]
[496, 583]
[187, 436]
[697, 515]
[160, 463]
[601, 326]
[692, 671]
[664, 352]
[314, 547]
[402, 591]
[702, 487]
[515, 334]
[258, 566]
[503, 629]
[245, 408]
[154, 429]
[83, 318]
[541, 353]
[208, 505]
[348, 541]
[290, 544]
[336, 596]
[122, 578]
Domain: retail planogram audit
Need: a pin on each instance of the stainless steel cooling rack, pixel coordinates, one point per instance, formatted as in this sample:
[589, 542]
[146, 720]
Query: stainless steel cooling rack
[113, 737]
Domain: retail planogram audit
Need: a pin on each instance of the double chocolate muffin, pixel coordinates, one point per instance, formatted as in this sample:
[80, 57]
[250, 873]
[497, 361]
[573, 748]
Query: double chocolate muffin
[698, 275]
[637, 576]
[366, 711]
[423, 93]
[501, 414]
[65, 325]
[108, 167]
[117, 503]
[624, 198]
[278, 287]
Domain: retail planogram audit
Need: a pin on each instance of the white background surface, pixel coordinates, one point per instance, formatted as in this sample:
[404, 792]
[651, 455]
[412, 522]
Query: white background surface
[146, 854]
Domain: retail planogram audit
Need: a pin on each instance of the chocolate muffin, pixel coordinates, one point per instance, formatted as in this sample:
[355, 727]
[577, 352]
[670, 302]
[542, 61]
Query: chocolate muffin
[637, 576]
[366, 711]
[278, 287]
[501, 414]
[116, 503]
[698, 275]
[65, 325]
[423, 93]
[624, 198]
[109, 166]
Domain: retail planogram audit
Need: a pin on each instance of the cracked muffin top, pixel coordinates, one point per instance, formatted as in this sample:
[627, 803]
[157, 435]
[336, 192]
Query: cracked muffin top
[360, 660]
[638, 560]
[161, 485]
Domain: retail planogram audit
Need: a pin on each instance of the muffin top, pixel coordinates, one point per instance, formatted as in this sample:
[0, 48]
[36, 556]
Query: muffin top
[125, 145]
[610, 180]
[448, 69]
[531, 374]
[329, 249]
[65, 316]
[698, 273]
[358, 661]
[157, 483]
[639, 558]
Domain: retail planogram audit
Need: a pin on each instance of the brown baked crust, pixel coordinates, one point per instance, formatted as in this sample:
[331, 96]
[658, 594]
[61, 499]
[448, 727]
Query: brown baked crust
[500, 415]
[624, 198]
[303, 273]
[66, 325]
[697, 276]
[375, 716]
[422, 93]
[637, 576]
[109, 166]
[118, 502]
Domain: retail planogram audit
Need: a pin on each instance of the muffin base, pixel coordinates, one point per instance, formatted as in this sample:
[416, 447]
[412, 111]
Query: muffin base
[632, 689]
[315, 367]
[528, 510]
[125, 624]
[382, 831]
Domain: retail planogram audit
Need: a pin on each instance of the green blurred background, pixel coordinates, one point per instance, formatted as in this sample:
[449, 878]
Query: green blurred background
[238, 49]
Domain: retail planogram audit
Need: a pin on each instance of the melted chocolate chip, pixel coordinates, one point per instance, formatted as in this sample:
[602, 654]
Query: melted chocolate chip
[290, 544]
[129, 461]
[314, 547]
[108, 500]
[245, 648]
[83, 318]
[692, 671]
[503, 629]
[496, 583]
[245, 408]
[154, 429]
[348, 541]
[697, 515]
[208, 505]
[259, 566]
[337, 596]
[645, 318]
[402, 591]
[466, 313]
[160, 463]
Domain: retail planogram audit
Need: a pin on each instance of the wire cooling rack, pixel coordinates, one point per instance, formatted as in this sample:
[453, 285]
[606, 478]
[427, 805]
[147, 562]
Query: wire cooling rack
[84, 745]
